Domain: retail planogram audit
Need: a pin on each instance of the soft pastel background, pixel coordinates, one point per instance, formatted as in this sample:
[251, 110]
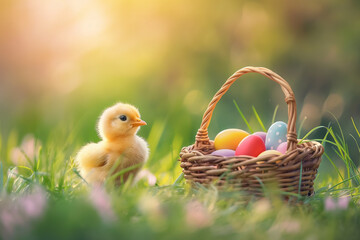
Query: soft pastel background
[63, 62]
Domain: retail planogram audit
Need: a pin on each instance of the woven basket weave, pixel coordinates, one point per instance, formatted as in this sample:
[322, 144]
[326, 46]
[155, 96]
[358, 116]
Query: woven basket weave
[299, 163]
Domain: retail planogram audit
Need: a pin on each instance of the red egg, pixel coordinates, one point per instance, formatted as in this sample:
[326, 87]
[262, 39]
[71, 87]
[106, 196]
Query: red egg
[251, 145]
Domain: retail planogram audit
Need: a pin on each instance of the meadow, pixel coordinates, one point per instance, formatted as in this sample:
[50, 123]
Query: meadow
[43, 196]
[63, 62]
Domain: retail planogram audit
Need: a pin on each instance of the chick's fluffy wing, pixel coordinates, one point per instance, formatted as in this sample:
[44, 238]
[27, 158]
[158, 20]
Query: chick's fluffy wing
[92, 155]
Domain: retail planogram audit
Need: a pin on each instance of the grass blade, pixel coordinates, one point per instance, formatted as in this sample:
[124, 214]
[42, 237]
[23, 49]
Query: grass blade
[301, 125]
[38, 158]
[116, 164]
[357, 131]
[259, 119]
[123, 171]
[324, 138]
[311, 131]
[274, 114]
[27, 158]
[78, 174]
[26, 168]
[261, 183]
[342, 182]
[154, 137]
[337, 122]
[179, 179]
[243, 117]
[336, 168]
[1, 177]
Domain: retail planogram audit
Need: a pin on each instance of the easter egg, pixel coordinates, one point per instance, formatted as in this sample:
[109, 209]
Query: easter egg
[276, 135]
[229, 138]
[224, 152]
[261, 134]
[270, 152]
[282, 147]
[251, 146]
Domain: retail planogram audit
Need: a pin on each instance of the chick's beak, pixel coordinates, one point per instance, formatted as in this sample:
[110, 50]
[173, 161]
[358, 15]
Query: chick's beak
[138, 122]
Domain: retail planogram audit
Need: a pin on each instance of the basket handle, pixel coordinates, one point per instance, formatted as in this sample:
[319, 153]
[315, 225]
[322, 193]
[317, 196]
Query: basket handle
[202, 138]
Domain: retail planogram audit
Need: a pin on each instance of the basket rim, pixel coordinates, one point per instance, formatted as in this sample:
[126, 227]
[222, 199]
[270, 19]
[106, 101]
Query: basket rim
[307, 145]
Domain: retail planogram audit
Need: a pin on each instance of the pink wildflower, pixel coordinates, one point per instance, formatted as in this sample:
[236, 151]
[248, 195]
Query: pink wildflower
[343, 202]
[144, 173]
[287, 226]
[197, 215]
[102, 203]
[27, 149]
[332, 204]
[9, 220]
[21, 212]
[33, 205]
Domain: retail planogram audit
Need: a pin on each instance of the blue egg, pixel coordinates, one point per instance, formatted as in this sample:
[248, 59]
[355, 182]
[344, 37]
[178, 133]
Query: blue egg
[276, 135]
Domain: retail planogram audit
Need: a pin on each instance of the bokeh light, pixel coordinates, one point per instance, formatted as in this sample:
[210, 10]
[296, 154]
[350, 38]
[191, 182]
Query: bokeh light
[63, 62]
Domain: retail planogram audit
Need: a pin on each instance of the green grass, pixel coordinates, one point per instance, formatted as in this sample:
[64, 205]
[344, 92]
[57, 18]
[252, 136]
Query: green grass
[166, 210]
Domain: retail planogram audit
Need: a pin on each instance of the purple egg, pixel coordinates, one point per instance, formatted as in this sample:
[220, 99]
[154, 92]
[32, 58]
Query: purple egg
[282, 147]
[224, 152]
[262, 135]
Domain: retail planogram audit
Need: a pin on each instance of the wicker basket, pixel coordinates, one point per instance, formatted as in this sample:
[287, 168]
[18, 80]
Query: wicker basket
[251, 174]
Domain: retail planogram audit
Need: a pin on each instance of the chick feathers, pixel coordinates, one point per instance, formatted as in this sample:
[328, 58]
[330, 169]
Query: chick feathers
[117, 127]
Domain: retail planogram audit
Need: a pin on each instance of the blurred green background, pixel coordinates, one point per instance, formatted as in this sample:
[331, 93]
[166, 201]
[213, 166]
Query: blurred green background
[63, 62]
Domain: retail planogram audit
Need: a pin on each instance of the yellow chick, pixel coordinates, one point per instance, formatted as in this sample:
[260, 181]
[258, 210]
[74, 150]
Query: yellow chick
[117, 128]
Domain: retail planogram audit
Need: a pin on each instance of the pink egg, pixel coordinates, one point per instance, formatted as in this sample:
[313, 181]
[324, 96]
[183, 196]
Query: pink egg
[260, 134]
[282, 147]
[251, 146]
[224, 152]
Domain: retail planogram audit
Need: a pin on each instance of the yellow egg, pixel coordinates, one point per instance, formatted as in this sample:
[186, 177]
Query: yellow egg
[229, 138]
[270, 152]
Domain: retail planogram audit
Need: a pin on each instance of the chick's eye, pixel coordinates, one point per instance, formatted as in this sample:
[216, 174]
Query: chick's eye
[123, 118]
